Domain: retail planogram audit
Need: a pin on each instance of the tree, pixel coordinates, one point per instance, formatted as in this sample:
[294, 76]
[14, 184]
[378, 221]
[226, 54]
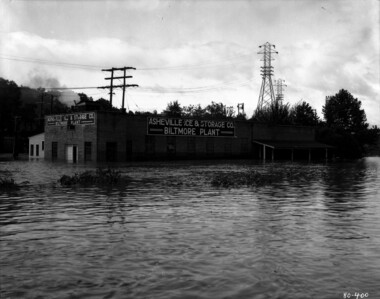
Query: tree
[194, 111]
[343, 111]
[303, 114]
[276, 113]
[84, 98]
[173, 109]
[104, 104]
[218, 110]
[9, 105]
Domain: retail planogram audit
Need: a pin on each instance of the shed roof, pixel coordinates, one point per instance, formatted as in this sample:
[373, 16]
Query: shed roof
[292, 144]
[34, 136]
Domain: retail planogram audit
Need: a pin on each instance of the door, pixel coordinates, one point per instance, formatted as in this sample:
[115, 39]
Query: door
[71, 153]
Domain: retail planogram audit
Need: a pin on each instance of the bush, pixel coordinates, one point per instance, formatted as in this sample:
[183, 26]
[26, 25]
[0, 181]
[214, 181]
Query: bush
[8, 184]
[98, 177]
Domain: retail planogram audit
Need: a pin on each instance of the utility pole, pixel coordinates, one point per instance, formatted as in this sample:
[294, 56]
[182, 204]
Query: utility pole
[15, 147]
[51, 103]
[112, 86]
[266, 97]
[42, 112]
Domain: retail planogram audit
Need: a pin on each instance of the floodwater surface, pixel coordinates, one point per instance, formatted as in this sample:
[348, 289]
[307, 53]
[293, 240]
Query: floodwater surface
[166, 232]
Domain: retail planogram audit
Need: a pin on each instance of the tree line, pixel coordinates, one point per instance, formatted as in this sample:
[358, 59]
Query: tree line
[344, 124]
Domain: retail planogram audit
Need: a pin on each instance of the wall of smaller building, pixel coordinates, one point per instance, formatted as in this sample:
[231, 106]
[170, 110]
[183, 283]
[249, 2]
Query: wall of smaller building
[37, 146]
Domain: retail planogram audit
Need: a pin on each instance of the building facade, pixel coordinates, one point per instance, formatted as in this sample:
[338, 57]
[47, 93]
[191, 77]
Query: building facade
[117, 137]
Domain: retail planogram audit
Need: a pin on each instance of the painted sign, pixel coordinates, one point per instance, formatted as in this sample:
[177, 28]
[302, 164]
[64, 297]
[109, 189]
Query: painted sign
[190, 127]
[83, 118]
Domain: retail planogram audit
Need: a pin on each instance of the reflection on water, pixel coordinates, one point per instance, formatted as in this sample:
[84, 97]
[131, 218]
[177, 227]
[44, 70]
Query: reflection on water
[169, 234]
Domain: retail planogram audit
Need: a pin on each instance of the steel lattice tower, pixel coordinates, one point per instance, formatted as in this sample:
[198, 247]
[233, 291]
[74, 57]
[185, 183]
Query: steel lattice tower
[279, 84]
[266, 97]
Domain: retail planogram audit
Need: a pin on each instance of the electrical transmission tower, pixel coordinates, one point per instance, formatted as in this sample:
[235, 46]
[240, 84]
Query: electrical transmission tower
[111, 86]
[266, 97]
[279, 83]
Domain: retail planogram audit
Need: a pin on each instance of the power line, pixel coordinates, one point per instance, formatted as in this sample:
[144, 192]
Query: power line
[48, 62]
[159, 89]
[64, 88]
[215, 64]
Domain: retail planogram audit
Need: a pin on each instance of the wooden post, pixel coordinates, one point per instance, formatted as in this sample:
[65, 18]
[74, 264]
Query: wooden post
[111, 87]
[122, 106]
[51, 103]
[260, 153]
[264, 152]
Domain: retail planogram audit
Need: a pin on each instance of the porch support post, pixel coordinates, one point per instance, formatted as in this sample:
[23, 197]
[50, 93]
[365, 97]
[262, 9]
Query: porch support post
[260, 152]
[264, 152]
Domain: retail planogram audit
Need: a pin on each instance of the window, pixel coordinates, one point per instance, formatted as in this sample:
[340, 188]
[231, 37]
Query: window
[43, 146]
[31, 150]
[228, 147]
[37, 150]
[149, 144]
[171, 145]
[210, 146]
[111, 151]
[129, 150]
[191, 145]
[244, 145]
[54, 150]
[87, 151]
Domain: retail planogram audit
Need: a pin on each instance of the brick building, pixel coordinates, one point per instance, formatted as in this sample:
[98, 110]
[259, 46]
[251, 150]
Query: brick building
[113, 136]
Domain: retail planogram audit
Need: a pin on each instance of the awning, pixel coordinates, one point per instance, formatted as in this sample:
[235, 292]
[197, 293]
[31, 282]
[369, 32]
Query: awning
[287, 144]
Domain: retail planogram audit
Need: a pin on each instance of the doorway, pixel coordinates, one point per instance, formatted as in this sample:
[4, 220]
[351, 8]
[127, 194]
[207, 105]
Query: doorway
[72, 153]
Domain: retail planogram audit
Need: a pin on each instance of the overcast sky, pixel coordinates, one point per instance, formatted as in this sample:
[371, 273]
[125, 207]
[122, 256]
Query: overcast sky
[196, 51]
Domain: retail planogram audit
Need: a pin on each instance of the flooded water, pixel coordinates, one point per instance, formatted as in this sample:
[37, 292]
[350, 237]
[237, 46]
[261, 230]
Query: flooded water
[168, 233]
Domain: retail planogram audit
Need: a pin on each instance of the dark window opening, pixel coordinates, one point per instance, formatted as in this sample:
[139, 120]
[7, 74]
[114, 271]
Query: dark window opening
[75, 152]
[244, 145]
[43, 146]
[129, 150]
[149, 144]
[87, 151]
[31, 149]
[191, 145]
[54, 150]
[111, 151]
[171, 145]
[228, 148]
[210, 147]
[37, 150]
